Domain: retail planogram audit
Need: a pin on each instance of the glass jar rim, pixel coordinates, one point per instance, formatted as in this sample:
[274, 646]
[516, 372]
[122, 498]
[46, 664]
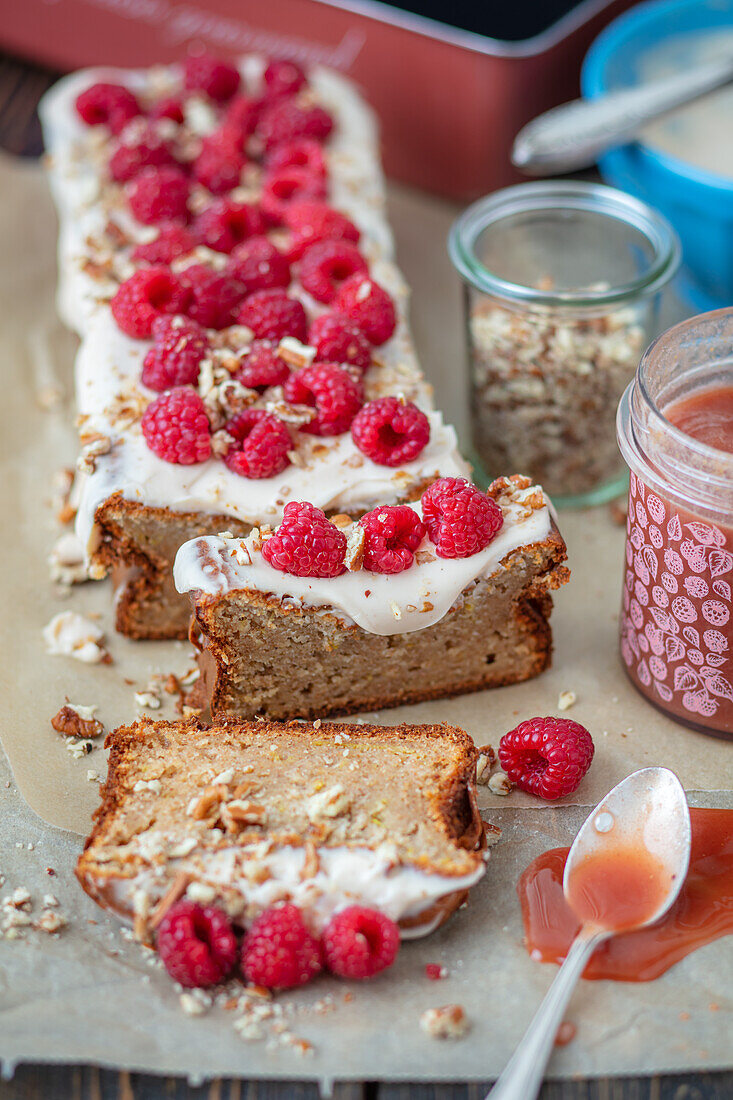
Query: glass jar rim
[594, 198]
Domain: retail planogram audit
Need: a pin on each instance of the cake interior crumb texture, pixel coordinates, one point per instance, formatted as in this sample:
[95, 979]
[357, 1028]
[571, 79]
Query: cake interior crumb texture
[331, 784]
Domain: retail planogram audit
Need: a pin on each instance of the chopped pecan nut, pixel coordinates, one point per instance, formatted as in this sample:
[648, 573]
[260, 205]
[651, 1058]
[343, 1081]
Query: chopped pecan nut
[72, 723]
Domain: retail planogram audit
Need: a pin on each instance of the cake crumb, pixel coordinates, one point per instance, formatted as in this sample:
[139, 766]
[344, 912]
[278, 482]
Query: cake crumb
[446, 1022]
[194, 1004]
[500, 783]
[566, 699]
[66, 561]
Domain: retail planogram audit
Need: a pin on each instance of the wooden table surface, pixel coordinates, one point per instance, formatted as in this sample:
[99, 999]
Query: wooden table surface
[21, 86]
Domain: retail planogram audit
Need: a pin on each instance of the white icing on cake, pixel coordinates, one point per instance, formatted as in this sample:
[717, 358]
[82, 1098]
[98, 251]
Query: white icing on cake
[377, 602]
[109, 363]
[345, 876]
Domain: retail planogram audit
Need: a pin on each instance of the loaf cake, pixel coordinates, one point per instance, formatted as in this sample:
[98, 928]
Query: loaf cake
[223, 238]
[246, 815]
[280, 645]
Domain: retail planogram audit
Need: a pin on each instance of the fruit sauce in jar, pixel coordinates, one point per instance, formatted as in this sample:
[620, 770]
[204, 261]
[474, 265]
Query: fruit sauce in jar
[675, 430]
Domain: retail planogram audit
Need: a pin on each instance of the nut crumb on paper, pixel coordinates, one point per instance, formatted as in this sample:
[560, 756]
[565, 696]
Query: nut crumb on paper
[70, 634]
[75, 720]
[446, 1022]
[566, 700]
[500, 783]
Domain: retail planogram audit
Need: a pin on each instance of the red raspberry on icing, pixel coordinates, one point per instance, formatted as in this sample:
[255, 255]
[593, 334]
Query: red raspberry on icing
[169, 107]
[176, 427]
[306, 544]
[279, 952]
[298, 154]
[283, 77]
[338, 340]
[147, 294]
[461, 520]
[259, 265]
[286, 121]
[272, 314]
[330, 390]
[391, 535]
[219, 165]
[159, 194]
[204, 73]
[326, 265]
[148, 150]
[175, 358]
[173, 240]
[107, 105]
[391, 432]
[262, 367]
[196, 944]
[316, 221]
[369, 306]
[214, 295]
[547, 757]
[225, 224]
[242, 114]
[360, 942]
[261, 444]
[285, 185]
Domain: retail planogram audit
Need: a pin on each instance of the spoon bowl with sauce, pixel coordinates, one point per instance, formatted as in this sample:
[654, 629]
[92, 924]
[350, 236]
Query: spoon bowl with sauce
[625, 869]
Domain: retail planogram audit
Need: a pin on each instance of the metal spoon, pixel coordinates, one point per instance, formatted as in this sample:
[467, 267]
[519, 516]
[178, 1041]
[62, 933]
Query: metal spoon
[649, 811]
[573, 135]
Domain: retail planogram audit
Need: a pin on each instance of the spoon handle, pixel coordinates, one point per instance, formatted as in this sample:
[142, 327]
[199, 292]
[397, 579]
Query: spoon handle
[523, 1073]
[573, 135]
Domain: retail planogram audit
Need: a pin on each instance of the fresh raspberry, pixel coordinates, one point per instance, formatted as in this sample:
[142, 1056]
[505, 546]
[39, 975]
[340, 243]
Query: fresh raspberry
[547, 757]
[261, 445]
[279, 952]
[259, 265]
[283, 77]
[214, 295]
[225, 224]
[147, 294]
[204, 73]
[306, 544]
[298, 154]
[369, 306]
[242, 114]
[175, 358]
[326, 265]
[330, 390]
[196, 944]
[391, 535]
[338, 340]
[286, 121]
[390, 431]
[170, 107]
[316, 221]
[461, 520]
[272, 314]
[262, 367]
[286, 185]
[107, 105]
[359, 942]
[173, 240]
[176, 427]
[159, 194]
[219, 165]
[148, 150]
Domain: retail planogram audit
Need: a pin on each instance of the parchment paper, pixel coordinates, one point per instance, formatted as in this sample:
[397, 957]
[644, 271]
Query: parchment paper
[66, 998]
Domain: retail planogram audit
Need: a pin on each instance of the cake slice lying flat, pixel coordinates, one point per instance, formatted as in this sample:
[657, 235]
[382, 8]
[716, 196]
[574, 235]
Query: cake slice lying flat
[285, 646]
[248, 814]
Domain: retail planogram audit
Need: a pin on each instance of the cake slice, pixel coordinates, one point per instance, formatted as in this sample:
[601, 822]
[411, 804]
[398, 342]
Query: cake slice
[284, 646]
[137, 507]
[245, 815]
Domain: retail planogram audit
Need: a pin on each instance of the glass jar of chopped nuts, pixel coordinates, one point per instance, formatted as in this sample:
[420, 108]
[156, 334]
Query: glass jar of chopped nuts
[563, 282]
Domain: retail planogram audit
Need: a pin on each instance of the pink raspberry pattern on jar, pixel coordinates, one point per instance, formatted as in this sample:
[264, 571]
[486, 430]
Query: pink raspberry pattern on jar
[676, 625]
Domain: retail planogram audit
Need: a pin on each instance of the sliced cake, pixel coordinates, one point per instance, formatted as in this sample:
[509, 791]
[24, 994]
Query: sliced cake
[440, 597]
[248, 815]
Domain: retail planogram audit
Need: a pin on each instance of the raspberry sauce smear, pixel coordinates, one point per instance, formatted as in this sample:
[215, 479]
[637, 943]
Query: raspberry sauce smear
[703, 912]
[675, 430]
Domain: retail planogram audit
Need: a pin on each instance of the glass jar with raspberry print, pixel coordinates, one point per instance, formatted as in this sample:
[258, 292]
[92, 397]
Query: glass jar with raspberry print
[676, 634]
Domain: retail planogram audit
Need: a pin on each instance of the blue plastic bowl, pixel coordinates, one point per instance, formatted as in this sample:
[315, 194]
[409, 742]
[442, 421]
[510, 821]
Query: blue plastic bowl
[699, 204]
